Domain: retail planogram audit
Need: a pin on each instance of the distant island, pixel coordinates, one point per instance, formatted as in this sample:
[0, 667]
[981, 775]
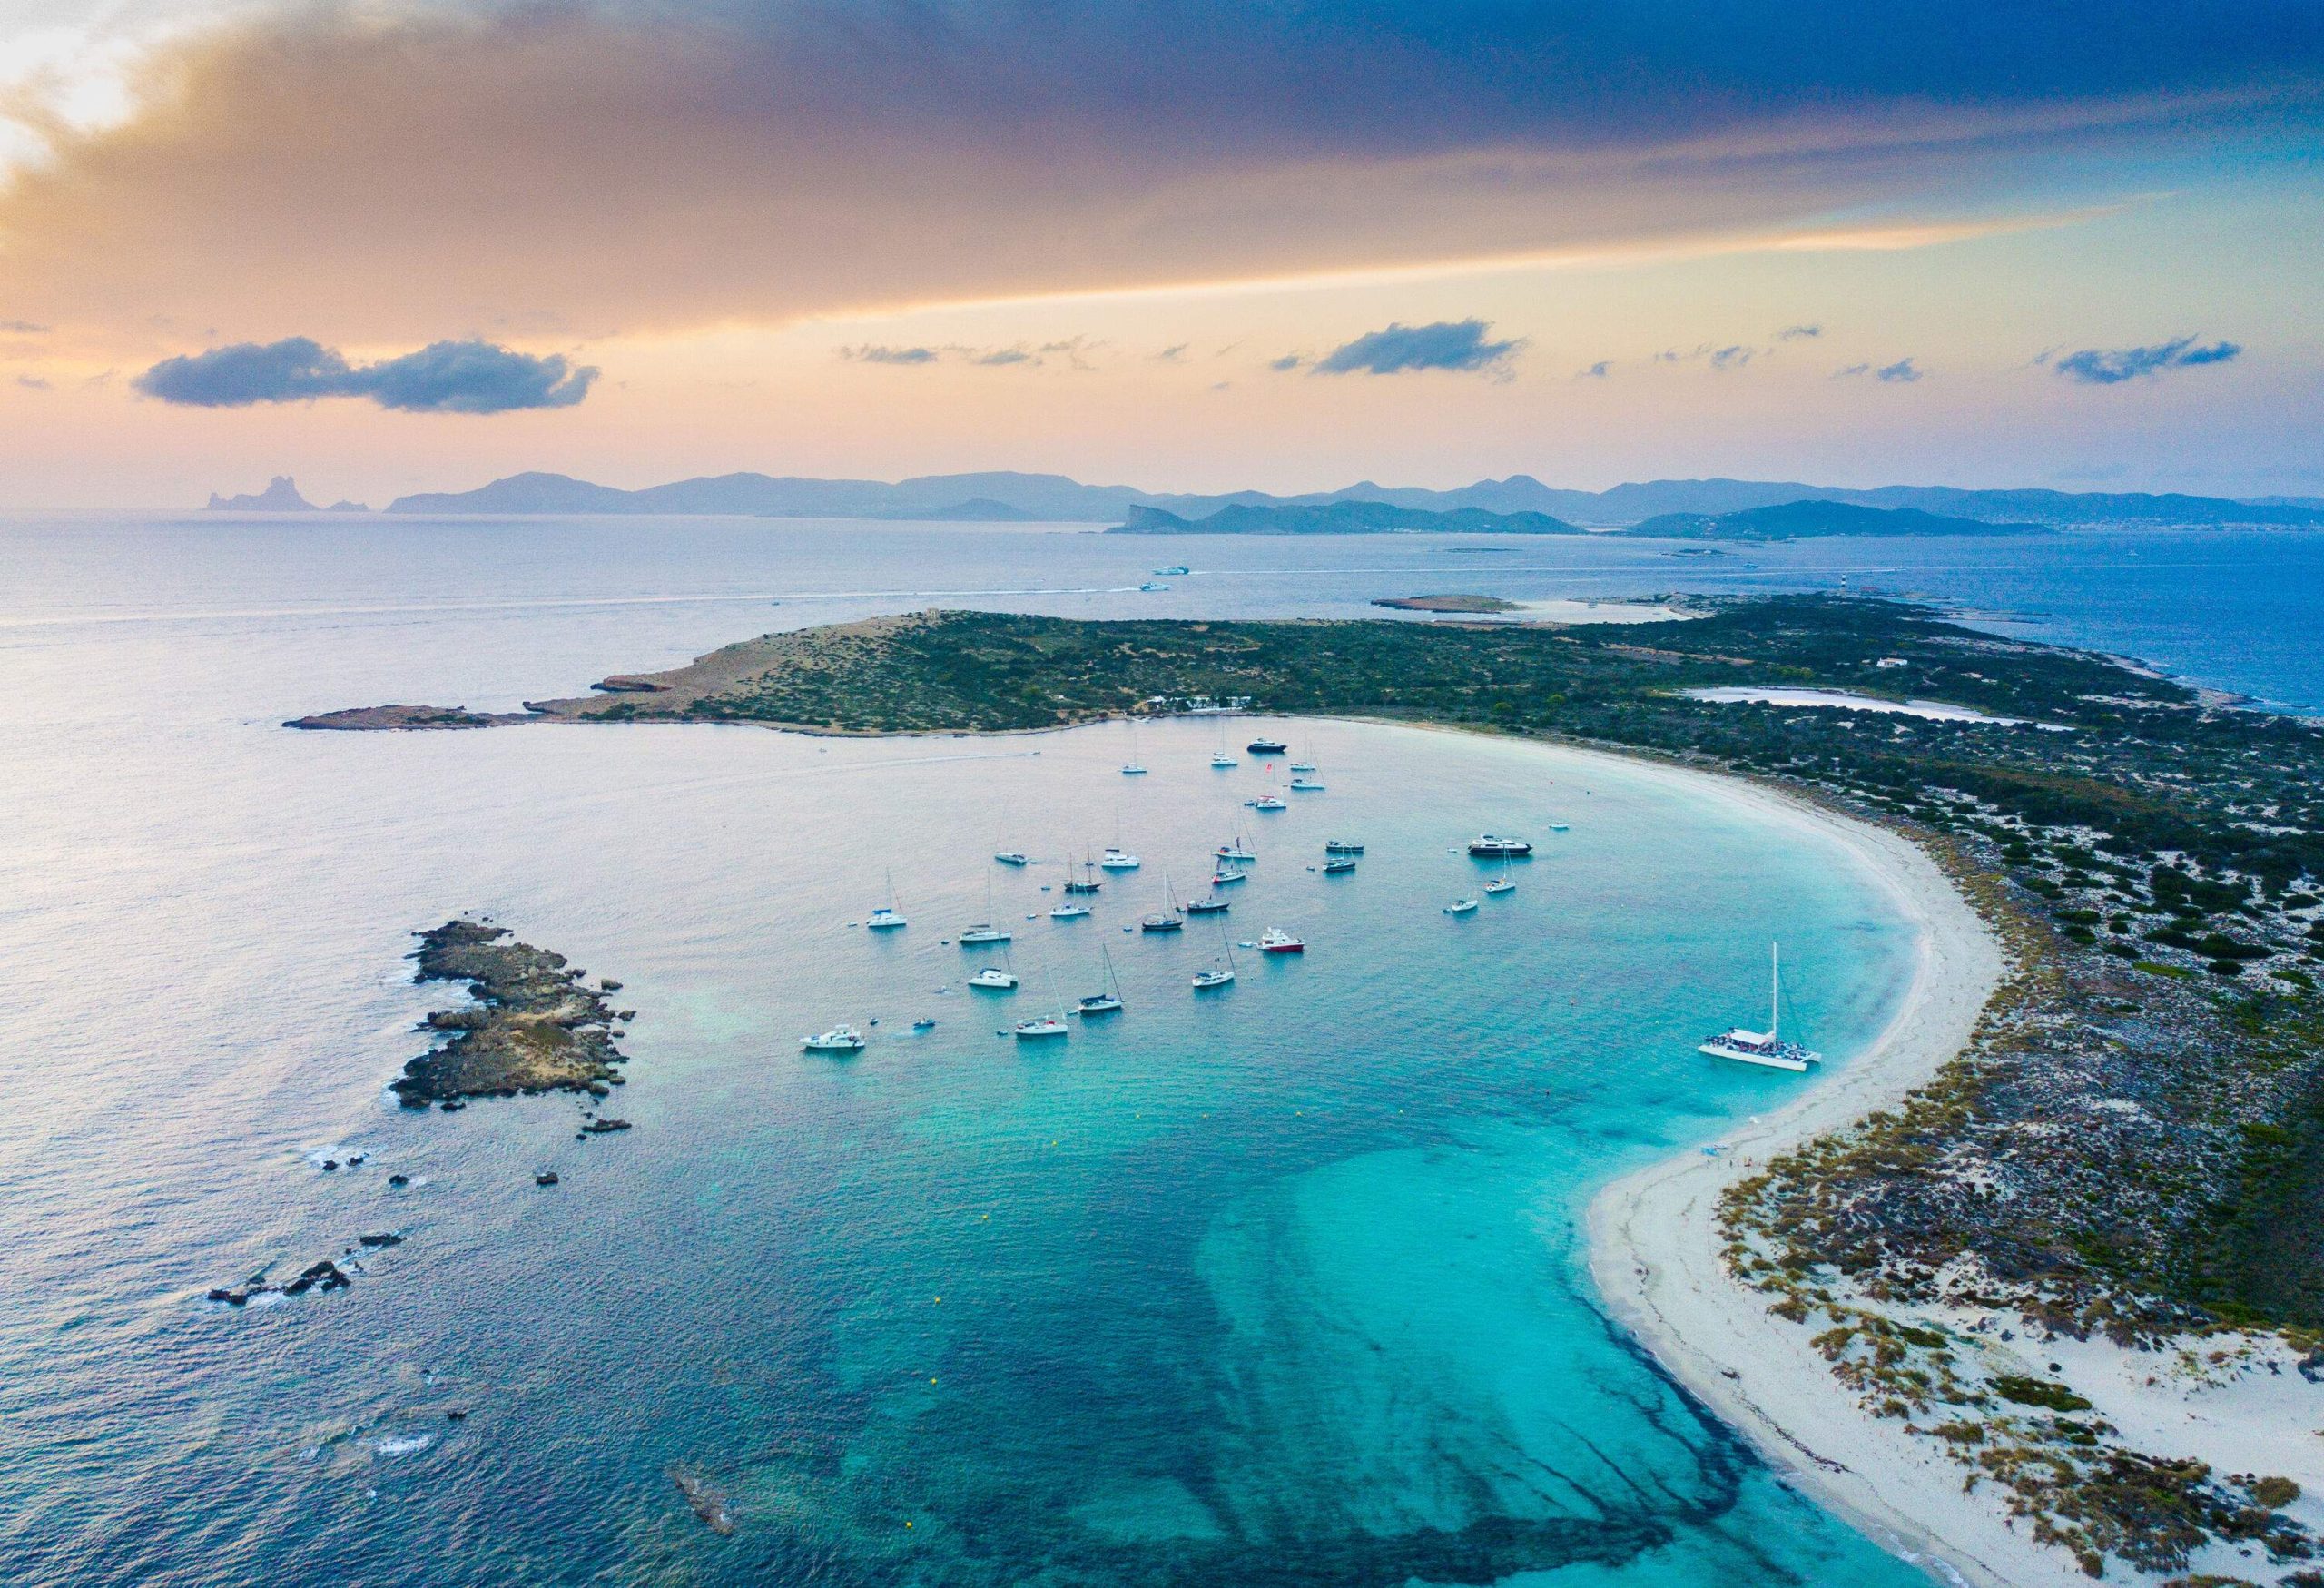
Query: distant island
[1003, 496]
[281, 495]
[1809, 519]
[1341, 519]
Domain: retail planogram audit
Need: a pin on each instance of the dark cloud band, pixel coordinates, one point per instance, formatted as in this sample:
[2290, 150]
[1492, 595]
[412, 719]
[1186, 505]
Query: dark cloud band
[446, 377]
[2112, 366]
[1447, 344]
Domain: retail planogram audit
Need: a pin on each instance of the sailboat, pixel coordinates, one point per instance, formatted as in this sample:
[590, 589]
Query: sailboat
[1302, 784]
[1133, 767]
[1109, 1001]
[1210, 905]
[1502, 884]
[996, 977]
[1169, 920]
[1042, 1026]
[1219, 757]
[1068, 910]
[1766, 1047]
[984, 931]
[1117, 858]
[887, 918]
[1269, 800]
[1088, 882]
[1306, 762]
[1219, 972]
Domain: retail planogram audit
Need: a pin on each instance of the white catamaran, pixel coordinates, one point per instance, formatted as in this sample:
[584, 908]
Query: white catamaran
[1762, 1047]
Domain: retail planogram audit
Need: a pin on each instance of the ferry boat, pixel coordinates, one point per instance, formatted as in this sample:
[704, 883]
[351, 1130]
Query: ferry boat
[1489, 847]
[1338, 865]
[1117, 860]
[1342, 846]
[1766, 1048]
[1276, 940]
[1213, 905]
[1108, 1002]
[1267, 746]
[838, 1039]
[887, 917]
[993, 979]
[1068, 911]
[1462, 907]
[1306, 786]
[1013, 857]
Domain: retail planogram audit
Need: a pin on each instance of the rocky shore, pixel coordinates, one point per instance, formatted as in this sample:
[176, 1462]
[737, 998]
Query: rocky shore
[534, 1026]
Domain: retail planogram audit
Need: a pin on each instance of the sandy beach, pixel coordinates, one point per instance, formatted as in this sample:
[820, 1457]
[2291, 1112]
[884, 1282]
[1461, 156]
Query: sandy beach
[1656, 1257]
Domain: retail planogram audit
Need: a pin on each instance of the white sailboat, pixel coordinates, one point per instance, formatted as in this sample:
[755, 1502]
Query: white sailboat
[984, 931]
[1766, 1048]
[1117, 858]
[887, 917]
[1503, 883]
[1042, 1026]
[1219, 758]
[1133, 767]
[1219, 972]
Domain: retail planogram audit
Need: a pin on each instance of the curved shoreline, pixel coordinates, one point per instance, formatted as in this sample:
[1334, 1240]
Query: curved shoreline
[1656, 1253]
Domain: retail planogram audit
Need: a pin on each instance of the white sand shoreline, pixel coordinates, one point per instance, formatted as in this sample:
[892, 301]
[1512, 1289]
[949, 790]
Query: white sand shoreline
[1655, 1254]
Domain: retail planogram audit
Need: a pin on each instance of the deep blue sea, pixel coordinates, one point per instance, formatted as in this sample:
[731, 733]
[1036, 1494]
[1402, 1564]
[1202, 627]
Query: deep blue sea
[1276, 1285]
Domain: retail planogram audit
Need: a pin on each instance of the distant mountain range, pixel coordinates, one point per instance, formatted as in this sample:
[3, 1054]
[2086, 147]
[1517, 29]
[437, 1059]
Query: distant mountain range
[1341, 519]
[1007, 496]
[1807, 519]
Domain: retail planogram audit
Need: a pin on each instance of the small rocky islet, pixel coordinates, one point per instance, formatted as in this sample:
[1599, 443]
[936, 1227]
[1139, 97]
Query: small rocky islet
[534, 1026]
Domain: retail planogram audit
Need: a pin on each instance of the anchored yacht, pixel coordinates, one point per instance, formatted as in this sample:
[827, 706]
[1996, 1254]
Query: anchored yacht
[838, 1039]
[1766, 1047]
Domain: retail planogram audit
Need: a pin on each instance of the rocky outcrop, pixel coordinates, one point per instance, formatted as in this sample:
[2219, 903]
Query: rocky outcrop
[535, 1027]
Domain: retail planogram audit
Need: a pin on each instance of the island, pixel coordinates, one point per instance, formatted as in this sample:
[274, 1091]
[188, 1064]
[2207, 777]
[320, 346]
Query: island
[1342, 518]
[1974, 1289]
[1813, 519]
[281, 495]
[1453, 603]
[534, 1026]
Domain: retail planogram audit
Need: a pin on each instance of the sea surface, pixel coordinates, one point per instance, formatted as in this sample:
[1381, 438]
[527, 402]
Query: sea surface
[1279, 1285]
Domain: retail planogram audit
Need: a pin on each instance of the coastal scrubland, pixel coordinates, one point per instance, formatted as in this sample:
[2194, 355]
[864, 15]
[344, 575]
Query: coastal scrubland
[2132, 1146]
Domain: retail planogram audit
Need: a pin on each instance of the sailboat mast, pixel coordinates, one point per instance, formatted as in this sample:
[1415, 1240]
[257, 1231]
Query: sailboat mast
[1774, 986]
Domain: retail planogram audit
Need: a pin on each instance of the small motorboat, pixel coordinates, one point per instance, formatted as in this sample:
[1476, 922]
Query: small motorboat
[982, 931]
[1116, 860]
[1561, 826]
[1338, 865]
[923, 1024]
[993, 979]
[1013, 857]
[1149, 587]
[1276, 940]
[838, 1039]
[1269, 802]
[1173, 572]
[1132, 769]
[1461, 907]
[1306, 786]
[1213, 905]
[1342, 846]
[1486, 846]
[1068, 911]
[1265, 746]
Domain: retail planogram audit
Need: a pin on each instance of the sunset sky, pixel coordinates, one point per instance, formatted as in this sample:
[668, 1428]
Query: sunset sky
[413, 244]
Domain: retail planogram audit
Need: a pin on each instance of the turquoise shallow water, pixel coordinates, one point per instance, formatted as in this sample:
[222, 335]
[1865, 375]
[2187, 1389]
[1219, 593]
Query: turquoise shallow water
[1281, 1286]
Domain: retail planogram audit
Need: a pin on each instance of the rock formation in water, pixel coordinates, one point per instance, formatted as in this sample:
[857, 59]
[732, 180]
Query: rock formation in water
[534, 1027]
